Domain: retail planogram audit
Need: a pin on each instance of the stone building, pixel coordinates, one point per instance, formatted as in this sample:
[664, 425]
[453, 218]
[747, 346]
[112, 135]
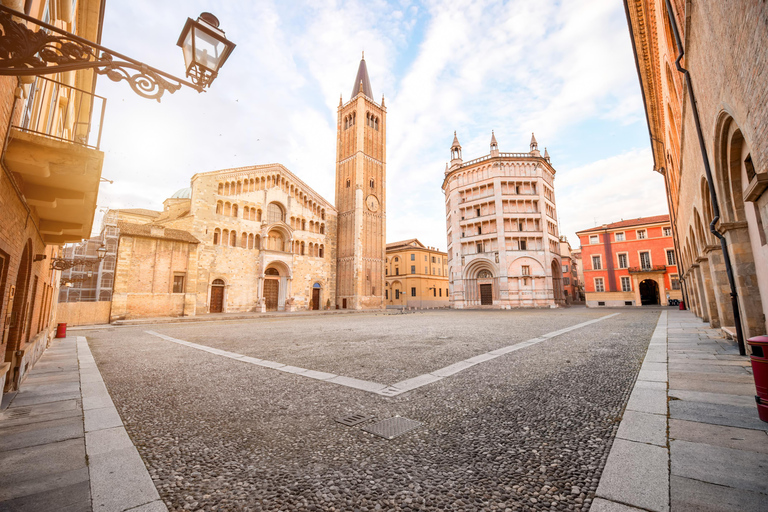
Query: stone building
[51, 166]
[570, 272]
[630, 263]
[259, 239]
[721, 103]
[417, 276]
[503, 242]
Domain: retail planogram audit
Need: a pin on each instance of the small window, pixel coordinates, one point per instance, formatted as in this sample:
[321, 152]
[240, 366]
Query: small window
[671, 257]
[628, 303]
[413, 257]
[565, 269]
[623, 261]
[600, 303]
[641, 234]
[348, 182]
[479, 247]
[645, 260]
[523, 245]
[413, 291]
[599, 284]
[674, 281]
[397, 271]
[413, 269]
[386, 294]
[178, 283]
[619, 237]
[526, 270]
[594, 239]
[667, 231]
[440, 291]
[434, 292]
[596, 263]
[371, 183]
[626, 285]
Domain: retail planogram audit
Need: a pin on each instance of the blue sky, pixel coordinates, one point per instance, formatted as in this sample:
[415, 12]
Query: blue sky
[562, 69]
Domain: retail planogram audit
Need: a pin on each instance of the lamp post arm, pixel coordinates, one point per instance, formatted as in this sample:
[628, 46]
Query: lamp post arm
[25, 52]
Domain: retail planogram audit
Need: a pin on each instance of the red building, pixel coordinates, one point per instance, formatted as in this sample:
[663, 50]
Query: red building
[630, 263]
[570, 274]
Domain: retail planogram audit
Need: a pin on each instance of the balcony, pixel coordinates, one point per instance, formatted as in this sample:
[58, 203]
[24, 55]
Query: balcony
[53, 150]
[647, 269]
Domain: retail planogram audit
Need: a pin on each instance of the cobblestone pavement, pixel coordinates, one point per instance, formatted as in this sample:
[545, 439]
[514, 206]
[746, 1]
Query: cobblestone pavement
[529, 430]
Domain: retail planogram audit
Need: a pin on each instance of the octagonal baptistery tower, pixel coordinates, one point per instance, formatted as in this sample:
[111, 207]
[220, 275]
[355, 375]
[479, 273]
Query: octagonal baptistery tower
[268, 241]
[503, 240]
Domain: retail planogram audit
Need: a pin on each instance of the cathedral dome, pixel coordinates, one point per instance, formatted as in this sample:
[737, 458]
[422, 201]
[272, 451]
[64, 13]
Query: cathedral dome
[184, 193]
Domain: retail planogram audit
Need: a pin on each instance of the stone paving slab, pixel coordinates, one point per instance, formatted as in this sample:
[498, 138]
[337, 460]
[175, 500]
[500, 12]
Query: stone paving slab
[738, 469]
[636, 474]
[643, 428]
[718, 414]
[601, 505]
[652, 401]
[695, 496]
[712, 398]
[718, 435]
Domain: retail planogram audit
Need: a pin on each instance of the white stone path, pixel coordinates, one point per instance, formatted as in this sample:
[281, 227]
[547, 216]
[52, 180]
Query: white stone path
[375, 387]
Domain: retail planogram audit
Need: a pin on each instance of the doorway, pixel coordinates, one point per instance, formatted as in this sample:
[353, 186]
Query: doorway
[271, 291]
[486, 295]
[649, 292]
[217, 296]
[316, 297]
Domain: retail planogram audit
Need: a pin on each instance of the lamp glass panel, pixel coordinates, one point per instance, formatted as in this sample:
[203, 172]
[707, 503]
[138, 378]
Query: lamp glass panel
[208, 50]
[187, 48]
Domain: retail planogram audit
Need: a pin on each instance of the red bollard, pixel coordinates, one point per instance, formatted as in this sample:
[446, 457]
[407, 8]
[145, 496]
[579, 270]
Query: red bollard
[759, 358]
[61, 331]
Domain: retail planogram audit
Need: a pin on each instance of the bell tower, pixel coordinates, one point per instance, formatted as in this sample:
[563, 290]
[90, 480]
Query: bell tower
[361, 154]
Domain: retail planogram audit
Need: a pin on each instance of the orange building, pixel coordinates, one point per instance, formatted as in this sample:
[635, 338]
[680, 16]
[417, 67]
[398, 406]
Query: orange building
[570, 272]
[630, 263]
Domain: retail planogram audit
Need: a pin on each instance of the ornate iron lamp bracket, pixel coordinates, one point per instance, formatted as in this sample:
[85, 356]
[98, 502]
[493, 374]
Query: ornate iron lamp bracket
[50, 50]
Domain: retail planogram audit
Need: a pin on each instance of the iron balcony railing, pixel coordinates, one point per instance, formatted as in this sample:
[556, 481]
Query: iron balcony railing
[647, 268]
[62, 112]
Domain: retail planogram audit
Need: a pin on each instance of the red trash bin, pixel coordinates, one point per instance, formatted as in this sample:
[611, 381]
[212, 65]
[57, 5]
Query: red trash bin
[61, 331]
[682, 305]
[759, 359]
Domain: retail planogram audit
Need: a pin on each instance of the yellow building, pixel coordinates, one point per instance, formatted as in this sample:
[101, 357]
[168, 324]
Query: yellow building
[416, 275]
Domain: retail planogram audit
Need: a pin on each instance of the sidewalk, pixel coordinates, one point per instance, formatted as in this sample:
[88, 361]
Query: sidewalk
[63, 446]
[690, 438]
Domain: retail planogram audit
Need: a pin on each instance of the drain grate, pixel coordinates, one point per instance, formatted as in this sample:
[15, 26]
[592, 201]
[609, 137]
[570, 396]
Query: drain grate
[392, 427]
[353, 420]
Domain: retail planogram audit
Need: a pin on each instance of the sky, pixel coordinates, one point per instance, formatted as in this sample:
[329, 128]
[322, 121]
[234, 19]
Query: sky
[563, 70]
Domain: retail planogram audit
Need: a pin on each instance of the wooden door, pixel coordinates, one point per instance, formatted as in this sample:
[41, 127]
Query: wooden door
[217, 299]
[486, 294]
[315, 298]
[271, 288]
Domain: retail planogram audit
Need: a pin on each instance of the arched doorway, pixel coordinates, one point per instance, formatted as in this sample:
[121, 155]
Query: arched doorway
[557, 282]
[485, 285]
[217, 296]
[649, 292]
[271, 288]
[20, 307]
[315, 304]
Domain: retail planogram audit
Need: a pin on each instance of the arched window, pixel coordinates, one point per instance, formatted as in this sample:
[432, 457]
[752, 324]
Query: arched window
[348, 182]
[257, 242]
[371, 183]
[397, 259]
[244, 240]
[271, 272]
[227, 209]
[218, 282]
[258, 216]
[219, 207]
[303, 224]
[376, 124]
[322, 214]
[250, 241]
[274, 213]
[302, 248]
[239, 187]
[216, 236]
[246, 211]
[322, 250]
[322, 229]
[234, 210]
[275, 241]
[225, 237]
[221, 188]
[346, 123]
[233, 239]
[253, 214]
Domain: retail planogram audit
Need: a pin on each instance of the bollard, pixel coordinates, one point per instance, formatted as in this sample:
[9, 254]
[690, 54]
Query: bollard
[61, 330]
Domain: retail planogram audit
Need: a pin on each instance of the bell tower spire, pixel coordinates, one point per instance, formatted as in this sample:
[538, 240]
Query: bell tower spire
[361, 144]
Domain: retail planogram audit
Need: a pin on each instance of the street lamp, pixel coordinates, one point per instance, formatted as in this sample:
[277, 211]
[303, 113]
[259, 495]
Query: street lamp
[205, 48]
[67, 263]
[50, 50]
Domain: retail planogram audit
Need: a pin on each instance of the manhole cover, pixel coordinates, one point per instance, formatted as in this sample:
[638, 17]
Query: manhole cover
[392, 427]
[353, 420]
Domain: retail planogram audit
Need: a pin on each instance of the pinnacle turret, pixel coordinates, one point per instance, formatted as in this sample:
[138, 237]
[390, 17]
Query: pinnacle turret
[362, 82]
[534, 144]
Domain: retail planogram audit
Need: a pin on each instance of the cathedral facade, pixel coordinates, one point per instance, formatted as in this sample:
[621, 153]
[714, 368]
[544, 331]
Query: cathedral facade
[259, 239]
